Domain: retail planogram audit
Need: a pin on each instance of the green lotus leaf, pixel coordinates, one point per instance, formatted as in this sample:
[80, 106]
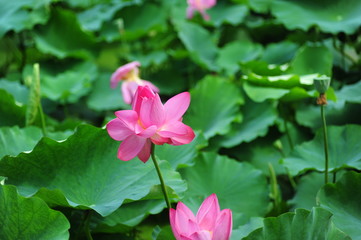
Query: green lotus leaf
[307, 189]
[14, 140]
[184, 155]
[29, 218]
[343, 148]
[350, 93]
[104, 12]
[337, 113]
[71, 41]
[245, 229]
[19, 92]
[343, 200]
[69, 85]
[87, 172]
[103, 97]
[198, 41]
[12, 113]
[330, 17]
[260, 94]
[148, 17]
[225, 177]
[257, 118]
[23, 14]
[299, 225]
[279, 53]
[312, 59]
[223, 13]
[129, 215]
[246, 51]
[215, 103]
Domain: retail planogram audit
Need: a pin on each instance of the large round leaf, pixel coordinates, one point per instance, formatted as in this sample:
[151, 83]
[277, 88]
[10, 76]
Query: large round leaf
[103, 97]
[69, 85]
[184, 155]
[307, 189]
[246, 51]
[257, 118]
[29, 218]
[20, 92]
[12, 113]
[215, 104]
[85, 169]
[343, 200]
[312, 59]
[14, 140]
[344, 151]
[239, 186]
[330, 16]
[22, 14]
[225, 13]
[71, 41]
[198, 42]
[129, 215]
[300, 225]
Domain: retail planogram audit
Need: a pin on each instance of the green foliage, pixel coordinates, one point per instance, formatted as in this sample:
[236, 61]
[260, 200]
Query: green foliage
[250, 70]
[29, 218]
[343, 200]
[98, 175]
[343, 148]
[302, 224]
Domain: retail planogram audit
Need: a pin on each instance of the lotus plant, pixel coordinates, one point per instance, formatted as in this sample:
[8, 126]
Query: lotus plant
[129, 74]
[200, 6]
[149, 122]
[210, 223]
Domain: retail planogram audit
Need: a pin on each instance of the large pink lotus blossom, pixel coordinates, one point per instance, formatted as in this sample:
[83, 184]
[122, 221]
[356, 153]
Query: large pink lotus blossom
[150, 122]
[210, 223]
[129, 73]
[200, 6]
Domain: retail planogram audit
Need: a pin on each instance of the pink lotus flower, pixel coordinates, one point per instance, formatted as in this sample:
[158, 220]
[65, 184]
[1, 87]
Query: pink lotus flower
[210, 223]
[150, 122]
[129, 73]
[200, 6]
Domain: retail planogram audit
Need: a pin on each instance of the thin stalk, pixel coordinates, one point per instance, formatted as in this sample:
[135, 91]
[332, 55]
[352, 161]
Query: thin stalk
[86, 225]
[42, 118]
[325, 142]
[160, 177]
[288, 134]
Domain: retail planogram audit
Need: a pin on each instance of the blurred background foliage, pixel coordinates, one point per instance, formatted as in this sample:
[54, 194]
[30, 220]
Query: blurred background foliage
[250, 71]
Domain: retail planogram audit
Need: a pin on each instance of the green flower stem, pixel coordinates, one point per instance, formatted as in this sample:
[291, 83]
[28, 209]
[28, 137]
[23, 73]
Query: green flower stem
[86, 225]
[160, 177]
[42, 118]
[325, 141]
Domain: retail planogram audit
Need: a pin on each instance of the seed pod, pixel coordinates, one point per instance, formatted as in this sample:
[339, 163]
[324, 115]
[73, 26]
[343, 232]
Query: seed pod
[322, 83]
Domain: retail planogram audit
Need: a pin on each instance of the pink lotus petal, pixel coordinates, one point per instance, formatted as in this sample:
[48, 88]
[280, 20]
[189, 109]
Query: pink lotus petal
[144, 154]
[202, 235]
[173, 129]
[148, 132]
[119, 74]
[128, 92]
[128, 117]
[143, 92]
[184, 139]
[176, 106]
[208, 212]
[130, 147]
[152, 112]
[158, 140]
[190, 12]
[223, 227]
[172, 214]
[118, 130]
[151, 85]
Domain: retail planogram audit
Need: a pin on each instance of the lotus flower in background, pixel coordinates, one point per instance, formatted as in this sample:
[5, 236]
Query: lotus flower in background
[210, 223]
[129, 74]
[200, 6]
[149, 122]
